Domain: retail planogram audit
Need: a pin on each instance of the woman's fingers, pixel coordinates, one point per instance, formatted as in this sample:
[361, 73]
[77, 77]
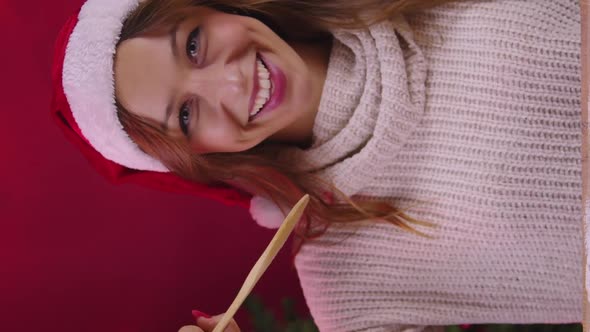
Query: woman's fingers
[208, 324]
[190, 328]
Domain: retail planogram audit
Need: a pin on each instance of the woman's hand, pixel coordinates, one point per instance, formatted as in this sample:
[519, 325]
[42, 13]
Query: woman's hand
[208, 324]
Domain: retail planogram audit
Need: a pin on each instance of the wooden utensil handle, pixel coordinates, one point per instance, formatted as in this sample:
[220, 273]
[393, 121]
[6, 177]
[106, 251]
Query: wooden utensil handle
[264, 261]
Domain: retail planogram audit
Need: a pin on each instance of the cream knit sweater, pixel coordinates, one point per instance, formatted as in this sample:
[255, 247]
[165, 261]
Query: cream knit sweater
[472, 109]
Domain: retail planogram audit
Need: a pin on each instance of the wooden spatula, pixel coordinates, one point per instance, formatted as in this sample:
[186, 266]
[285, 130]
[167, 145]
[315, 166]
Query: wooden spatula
[264, 261]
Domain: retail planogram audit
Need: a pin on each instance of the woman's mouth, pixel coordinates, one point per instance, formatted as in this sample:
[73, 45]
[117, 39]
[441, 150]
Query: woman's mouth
[268, 89]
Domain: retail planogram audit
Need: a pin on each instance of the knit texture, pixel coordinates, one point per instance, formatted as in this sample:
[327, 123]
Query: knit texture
[468, 115]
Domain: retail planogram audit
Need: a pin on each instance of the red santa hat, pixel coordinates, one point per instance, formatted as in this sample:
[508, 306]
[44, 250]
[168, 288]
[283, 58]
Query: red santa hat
[84, 106]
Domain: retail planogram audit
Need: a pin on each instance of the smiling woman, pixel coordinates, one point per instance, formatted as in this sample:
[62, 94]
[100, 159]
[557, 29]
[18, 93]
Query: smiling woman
[194, 83]
[465, 116]
[226, 82]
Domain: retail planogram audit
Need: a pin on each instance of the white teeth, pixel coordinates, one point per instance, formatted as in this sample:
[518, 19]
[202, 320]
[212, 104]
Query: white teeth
[265, 87]
[264, 83]
[265, 93]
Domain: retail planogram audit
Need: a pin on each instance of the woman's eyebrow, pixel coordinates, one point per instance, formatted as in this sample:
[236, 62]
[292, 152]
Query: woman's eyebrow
[174, 48]
[173, 42]
[169, 109]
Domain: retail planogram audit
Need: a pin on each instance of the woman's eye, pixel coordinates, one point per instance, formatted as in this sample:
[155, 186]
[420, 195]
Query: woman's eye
[184, 118]
[192, 44]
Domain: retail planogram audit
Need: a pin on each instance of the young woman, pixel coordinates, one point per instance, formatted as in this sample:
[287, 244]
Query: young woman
[440, 142]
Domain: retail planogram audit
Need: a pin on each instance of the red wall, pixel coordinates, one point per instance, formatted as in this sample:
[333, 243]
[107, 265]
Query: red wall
[79, 254]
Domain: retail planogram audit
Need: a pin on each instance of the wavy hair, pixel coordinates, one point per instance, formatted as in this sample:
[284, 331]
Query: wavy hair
[258, 170]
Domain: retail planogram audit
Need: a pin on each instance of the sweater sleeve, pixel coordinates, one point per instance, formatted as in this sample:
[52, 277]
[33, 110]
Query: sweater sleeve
[399, 328]
[406, 328]
[350, 285]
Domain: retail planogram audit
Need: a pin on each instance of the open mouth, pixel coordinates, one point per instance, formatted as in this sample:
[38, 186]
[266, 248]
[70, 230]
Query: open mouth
[263, 88]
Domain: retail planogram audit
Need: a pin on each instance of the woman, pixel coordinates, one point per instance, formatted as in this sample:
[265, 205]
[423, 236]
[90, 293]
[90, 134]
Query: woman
[464, 116]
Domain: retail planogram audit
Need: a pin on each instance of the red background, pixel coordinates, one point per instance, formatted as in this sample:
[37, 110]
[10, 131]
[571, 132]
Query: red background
[80, 254]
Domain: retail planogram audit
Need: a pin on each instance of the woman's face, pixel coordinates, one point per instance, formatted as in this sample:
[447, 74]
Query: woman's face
[207, 79]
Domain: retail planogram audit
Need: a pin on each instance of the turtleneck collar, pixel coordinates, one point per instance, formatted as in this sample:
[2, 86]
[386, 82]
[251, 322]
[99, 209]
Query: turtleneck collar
[372, 99]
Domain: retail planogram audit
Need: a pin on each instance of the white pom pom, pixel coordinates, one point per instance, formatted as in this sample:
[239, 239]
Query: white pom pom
[266, 213]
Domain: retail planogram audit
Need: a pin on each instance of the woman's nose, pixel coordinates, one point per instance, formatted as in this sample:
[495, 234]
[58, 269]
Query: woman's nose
[219, 85]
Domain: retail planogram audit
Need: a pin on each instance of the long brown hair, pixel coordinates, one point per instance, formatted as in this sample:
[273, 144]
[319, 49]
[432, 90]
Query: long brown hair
[258, 170]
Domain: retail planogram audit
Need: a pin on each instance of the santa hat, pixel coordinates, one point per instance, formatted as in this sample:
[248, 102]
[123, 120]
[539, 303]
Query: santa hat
[84, 106]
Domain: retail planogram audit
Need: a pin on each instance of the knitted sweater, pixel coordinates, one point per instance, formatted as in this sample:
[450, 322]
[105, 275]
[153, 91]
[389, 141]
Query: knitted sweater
[468, 115]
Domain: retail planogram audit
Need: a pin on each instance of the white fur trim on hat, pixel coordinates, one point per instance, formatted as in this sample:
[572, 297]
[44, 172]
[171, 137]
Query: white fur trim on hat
[88, 81]
[266, 213]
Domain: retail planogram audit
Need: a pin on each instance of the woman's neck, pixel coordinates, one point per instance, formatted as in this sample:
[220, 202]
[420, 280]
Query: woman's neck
[316, 56]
